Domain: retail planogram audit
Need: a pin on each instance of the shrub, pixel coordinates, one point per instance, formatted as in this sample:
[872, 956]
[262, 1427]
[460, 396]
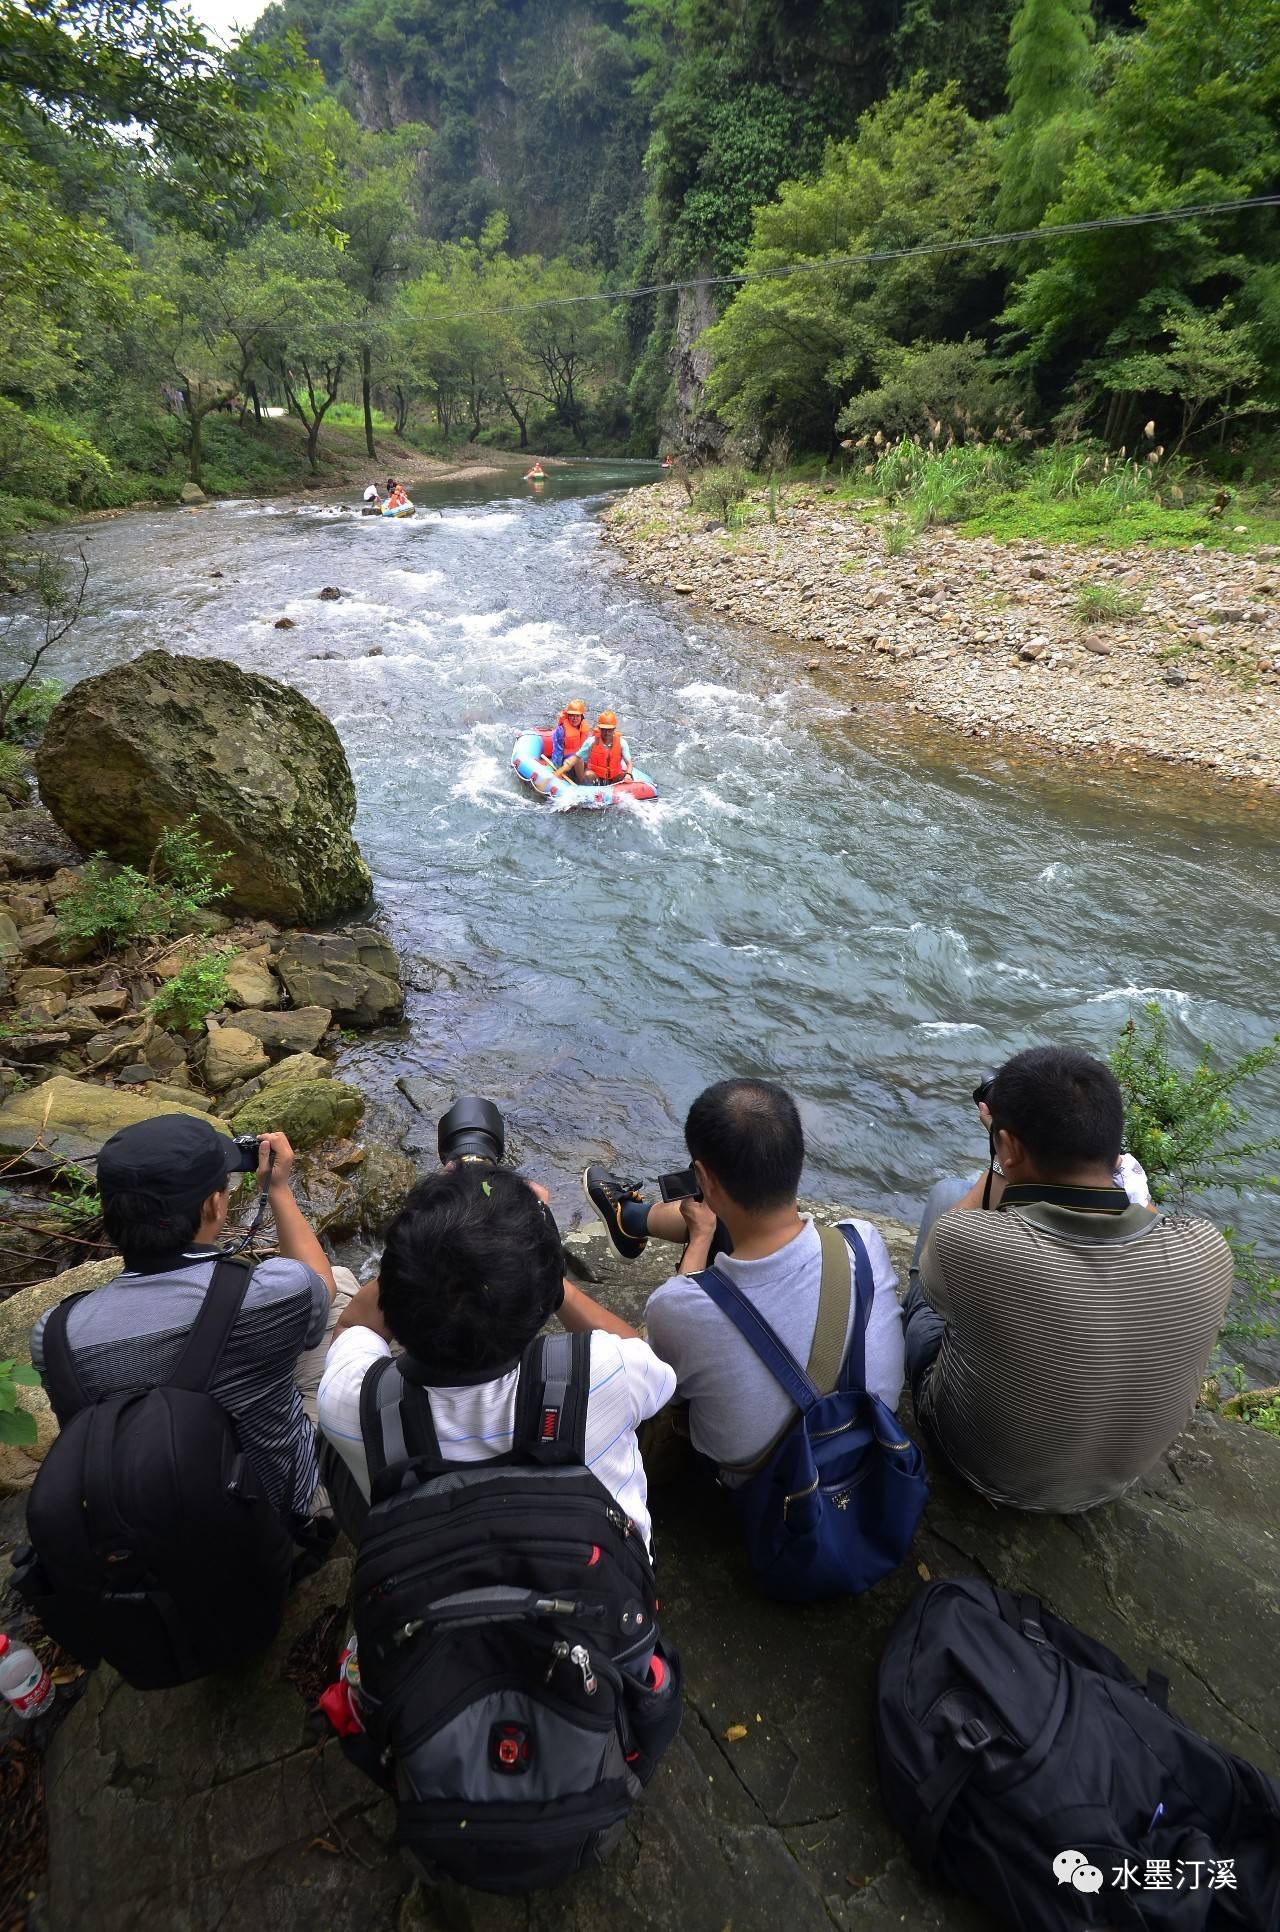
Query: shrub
[74, 1199]
[31, 709]
[1192, 1137]
[113, 904]
[42, 459]
[13, 763]
[722, 489]
[16, 1426]
[200, 988]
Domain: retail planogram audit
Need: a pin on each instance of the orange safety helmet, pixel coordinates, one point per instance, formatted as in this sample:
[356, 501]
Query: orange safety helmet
[607, 721]
[575, 708]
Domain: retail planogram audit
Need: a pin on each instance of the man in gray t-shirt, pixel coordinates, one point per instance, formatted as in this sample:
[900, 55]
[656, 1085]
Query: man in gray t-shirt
[165, 1198]
[747, 1146]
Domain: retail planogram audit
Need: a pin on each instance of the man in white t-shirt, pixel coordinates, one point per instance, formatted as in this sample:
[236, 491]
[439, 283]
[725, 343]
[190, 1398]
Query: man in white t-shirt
[747, 1147]
[471, 1270]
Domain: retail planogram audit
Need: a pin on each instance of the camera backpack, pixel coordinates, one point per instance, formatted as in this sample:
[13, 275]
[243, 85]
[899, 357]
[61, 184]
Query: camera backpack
[514, 1690]
[833, 1505]
[1026, 1765]
[152, 1546]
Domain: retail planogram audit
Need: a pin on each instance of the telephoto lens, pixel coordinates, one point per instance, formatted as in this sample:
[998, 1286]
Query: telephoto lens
[472, 1130]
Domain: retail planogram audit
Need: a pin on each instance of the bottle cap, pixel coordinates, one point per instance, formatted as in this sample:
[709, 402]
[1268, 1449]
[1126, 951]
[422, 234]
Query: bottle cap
[4, 1643]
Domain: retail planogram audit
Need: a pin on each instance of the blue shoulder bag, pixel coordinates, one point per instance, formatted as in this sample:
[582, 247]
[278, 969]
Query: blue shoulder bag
[834, 1503]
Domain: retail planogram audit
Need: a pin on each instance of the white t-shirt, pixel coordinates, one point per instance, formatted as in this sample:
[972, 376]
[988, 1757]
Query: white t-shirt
[371, 494]
[736, 1408]
[628, 1383]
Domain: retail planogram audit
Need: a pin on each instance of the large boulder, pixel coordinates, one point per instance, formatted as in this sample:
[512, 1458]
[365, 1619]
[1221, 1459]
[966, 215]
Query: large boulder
[300, 1030]
[355, 974]
[68, 1120]
[231, 1056]
[306, 1110]
[18, 1316]
[152, 743]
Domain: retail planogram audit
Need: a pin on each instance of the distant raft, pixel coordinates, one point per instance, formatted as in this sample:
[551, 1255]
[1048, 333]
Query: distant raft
[531, 760]
[405, 510]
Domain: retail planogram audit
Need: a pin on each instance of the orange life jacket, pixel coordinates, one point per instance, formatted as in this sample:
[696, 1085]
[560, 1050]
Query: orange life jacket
[606, 761]
[575, 734]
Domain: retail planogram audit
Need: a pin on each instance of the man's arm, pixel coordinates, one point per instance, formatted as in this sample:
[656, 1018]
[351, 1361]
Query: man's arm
[578, 1313]
[295, 1237]
[364, 1311]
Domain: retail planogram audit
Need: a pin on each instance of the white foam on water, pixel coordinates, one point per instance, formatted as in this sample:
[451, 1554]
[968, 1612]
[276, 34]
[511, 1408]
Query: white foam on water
[429, 578]
[484, 781]
[472, 522]
[478, 623]
[941, 1028]
[1131, 993]
[1049, 874]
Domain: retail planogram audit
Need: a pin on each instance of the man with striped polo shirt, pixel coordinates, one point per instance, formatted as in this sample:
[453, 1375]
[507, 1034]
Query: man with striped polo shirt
[1058, 1333]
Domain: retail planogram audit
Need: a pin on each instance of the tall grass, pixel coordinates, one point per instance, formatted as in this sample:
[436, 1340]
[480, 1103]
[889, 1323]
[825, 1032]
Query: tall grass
[940, 485]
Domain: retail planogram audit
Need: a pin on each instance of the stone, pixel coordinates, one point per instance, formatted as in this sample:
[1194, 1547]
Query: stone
[384, 1181]
[308, 1111]
[330, 1201]
[1100, 646]
[251, 982]
[71, 1119]
[10, 938]
[298, 1030]
[329, 595]
[18, 1316]
[42, 1003]
[80, 1021]
[231, 1056]
[150, 743]
[297, 1066]
[36, 1044]
[182, 1096]
[32, 845]
[137, 1075]
[355, 974]
[191, 493]
[109, 1002]
[117, 1045]
[285, 624]
[40, 979]
[166, 1053]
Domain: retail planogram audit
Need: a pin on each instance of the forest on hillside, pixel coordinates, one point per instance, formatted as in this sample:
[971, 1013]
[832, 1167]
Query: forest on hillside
[430, 215]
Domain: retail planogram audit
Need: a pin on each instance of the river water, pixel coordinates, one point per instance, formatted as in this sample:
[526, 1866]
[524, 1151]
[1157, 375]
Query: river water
[873, 917]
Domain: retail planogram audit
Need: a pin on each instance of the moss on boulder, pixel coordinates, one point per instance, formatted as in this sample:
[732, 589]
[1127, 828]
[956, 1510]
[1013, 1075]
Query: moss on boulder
[151, 743]
[306, 1110]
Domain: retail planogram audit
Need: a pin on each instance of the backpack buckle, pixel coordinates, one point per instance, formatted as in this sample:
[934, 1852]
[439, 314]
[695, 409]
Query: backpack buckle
[973, 1735]
[1033, 1631]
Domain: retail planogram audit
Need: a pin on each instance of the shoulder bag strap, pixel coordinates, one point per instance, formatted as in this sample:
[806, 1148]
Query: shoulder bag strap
[759, 1337]
[827, 1354]
[62, 1384]
[223, 1299]
[551, 1399]
[853, 1375]
[395, 1427]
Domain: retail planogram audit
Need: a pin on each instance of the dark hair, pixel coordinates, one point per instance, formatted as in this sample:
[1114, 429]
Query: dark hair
[1064, 1106]
[748, 1134]
[471, 1269]
[145, 1226]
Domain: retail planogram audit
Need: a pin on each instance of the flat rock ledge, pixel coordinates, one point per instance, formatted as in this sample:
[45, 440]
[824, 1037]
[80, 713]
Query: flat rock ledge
[214, 1806]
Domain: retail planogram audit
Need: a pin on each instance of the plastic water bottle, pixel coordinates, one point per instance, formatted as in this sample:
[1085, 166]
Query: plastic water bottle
[349, 1676]
[23, 1679]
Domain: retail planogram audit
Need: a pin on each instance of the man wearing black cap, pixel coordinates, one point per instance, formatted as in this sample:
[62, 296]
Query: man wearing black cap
[165, 1197]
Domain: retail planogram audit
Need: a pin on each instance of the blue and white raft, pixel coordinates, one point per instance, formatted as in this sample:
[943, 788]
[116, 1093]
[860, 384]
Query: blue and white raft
[531, 760]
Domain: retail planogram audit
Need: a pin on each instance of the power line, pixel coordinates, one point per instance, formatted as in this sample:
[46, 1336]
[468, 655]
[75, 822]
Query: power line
[874, 256]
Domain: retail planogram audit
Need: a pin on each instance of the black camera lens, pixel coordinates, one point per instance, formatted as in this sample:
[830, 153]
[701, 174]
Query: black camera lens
[244, 1156]
[982, 1091]
[472, 1130]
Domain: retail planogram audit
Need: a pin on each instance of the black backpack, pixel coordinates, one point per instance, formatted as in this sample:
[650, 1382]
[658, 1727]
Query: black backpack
[503, 1610]
[153, 1546]
[1026, 1765]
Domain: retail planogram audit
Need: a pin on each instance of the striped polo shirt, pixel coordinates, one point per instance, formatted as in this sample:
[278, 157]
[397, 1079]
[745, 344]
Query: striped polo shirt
[1075, 1347]
[130, 1333]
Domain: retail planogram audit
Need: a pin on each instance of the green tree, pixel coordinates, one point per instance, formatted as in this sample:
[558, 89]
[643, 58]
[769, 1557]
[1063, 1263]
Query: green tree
[1049, 61]
[314, 332]
[795, 347]
[1207, 362]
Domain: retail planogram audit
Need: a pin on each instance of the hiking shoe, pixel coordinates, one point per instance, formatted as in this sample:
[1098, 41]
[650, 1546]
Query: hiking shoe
[606, 1193]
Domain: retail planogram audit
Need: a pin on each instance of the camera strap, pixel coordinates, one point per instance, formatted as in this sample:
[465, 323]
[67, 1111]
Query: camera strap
[1088, 1200]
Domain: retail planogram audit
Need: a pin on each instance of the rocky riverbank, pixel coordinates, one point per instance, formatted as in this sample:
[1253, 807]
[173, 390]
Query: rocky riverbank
[1171, 655]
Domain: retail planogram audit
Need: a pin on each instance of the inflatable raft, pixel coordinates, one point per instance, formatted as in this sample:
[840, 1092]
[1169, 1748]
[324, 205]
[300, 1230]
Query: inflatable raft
[531, 760]
[405, 510]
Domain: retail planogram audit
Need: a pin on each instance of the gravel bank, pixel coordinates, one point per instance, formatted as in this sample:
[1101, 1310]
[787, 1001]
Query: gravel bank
[989, 637]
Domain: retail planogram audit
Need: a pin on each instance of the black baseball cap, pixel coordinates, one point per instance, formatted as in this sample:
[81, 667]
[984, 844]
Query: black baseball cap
[174, 1157]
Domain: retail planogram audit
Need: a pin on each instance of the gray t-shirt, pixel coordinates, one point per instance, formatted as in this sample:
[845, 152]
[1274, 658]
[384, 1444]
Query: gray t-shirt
[130, 1333]
[735, 1406]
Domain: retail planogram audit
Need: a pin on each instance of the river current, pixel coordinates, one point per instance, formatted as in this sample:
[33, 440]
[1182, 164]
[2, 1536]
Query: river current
[873, 918]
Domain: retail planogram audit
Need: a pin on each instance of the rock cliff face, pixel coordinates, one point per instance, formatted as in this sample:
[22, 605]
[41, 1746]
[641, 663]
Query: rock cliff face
[151, 743]
[214, 1805]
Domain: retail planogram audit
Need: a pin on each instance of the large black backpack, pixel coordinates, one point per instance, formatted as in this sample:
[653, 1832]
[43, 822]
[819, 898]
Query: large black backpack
[153, 1545]
[506, 1618]
[1026, 1765]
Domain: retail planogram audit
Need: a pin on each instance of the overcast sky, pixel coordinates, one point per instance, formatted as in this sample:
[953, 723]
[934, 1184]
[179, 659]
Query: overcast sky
[223, 16]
